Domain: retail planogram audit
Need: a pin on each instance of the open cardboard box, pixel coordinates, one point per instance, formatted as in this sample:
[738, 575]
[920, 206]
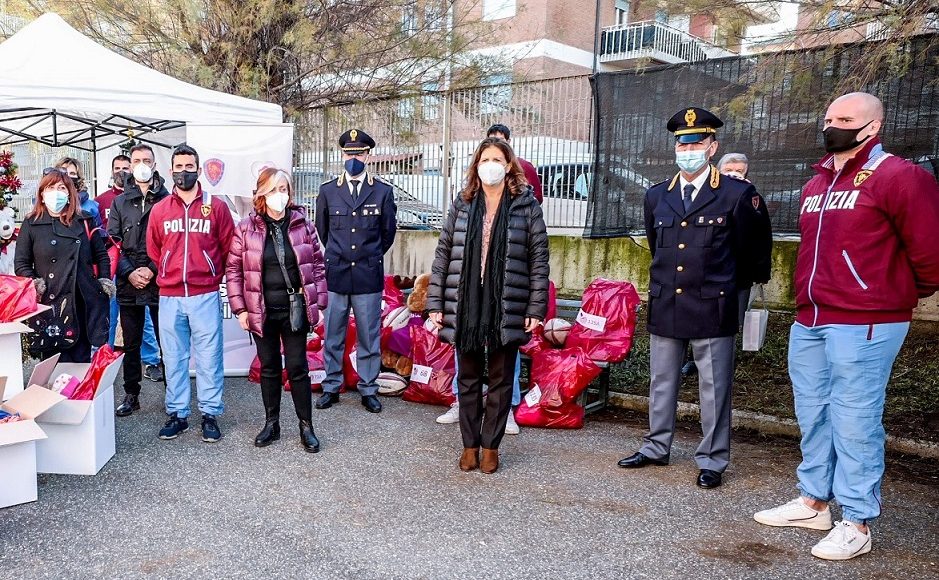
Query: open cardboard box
[18, 443]
[80, 433]
[11, 352]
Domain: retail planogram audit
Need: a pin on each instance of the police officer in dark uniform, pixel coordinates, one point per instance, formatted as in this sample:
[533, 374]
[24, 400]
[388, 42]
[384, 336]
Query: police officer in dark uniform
[703, 228]
[355, 218]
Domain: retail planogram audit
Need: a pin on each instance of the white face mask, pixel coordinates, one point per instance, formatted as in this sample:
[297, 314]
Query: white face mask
[491, 172]
[735, 174]
[142, 173]
[54, 200]
[276, 201]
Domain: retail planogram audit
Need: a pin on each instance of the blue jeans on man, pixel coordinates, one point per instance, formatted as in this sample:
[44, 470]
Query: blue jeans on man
[192, 326]
[839, 378]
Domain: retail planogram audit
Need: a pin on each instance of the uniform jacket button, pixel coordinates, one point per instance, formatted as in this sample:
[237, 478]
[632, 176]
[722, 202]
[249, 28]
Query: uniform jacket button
[722, 292]
[353, 230]
[678, 291]
[681, 246]
[710, 221]
[51, 296]
[353, 263]
[51, 275]
[353, 247]
[684, 224]
[353, 213]
[53, 242]
[680, 268]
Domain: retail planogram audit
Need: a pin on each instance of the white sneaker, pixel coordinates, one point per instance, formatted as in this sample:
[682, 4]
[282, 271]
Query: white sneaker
[844, 542]
[451, 416]
[795, 514]
[511, 427]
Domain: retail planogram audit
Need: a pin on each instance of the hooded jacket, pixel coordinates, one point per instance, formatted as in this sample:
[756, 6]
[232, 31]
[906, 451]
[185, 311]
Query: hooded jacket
[189, 244]
[127, 224]
[868, 250]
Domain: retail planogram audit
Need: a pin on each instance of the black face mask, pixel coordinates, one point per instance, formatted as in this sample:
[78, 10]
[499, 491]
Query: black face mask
[76, 181]
[840, 140]
[185, 180]
[119, 177]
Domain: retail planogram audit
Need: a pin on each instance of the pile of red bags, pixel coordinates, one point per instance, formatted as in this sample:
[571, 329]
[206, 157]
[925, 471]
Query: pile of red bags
[434, 369]
[17, 297]
[558, 377]
[607, 320]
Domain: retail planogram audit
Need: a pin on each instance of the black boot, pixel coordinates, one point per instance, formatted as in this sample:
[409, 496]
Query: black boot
[308, 437]
[270, 393]
[130, 404]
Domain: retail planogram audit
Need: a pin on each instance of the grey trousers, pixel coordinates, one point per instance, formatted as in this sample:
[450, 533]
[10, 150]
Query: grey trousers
[715, 360]
[367, 310]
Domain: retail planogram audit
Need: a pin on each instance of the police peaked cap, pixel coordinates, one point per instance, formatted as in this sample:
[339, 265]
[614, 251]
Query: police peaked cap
[693, 125]
[356, 141]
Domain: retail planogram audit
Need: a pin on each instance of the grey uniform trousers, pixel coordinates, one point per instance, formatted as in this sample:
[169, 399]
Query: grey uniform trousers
[714, 358]
[367, 310]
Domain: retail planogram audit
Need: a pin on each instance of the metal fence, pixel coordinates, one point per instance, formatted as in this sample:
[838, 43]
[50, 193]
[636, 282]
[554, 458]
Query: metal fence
[772, 106]
[31, 158]
[425, 142]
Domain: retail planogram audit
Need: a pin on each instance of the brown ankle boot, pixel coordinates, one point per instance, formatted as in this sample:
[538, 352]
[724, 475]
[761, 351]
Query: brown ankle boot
[470, 458]
[490, 461]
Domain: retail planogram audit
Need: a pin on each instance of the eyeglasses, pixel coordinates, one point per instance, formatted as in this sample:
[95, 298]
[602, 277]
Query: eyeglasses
[49, 170]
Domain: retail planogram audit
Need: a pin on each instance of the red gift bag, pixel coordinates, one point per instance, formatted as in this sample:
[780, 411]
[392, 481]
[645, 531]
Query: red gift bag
[558, 377]
[434, 368]
[391, 297]
[86, 389]
[607, 320]
[17, 297]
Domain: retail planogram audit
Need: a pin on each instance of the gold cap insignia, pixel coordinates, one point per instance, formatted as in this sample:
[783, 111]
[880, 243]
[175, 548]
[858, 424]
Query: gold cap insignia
[353, 135]
[206, 210]
[861, 177]
[690, 117]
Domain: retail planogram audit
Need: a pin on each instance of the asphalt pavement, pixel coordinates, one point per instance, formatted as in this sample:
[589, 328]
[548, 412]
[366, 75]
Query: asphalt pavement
[385, 499]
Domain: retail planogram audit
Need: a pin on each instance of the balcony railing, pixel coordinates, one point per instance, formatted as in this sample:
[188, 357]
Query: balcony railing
[656, 41]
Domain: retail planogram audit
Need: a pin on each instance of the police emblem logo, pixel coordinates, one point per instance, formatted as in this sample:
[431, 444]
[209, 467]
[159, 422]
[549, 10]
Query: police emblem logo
[690, 117]
[861, 177]
[756, 201]
[206, 210]
[353, 135]
[720, 220]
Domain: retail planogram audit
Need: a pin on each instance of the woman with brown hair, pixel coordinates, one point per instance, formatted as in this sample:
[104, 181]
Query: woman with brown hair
[489, 291]
[277, 288]
[70, 267]
[73, 167]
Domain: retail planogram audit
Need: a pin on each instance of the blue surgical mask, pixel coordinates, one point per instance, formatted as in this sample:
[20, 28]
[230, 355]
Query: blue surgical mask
[55, 200]
[354, 166]
[691, 161]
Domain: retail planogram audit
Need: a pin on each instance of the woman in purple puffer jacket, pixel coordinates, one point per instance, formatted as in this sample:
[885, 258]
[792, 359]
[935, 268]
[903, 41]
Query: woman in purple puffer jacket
[277, 287]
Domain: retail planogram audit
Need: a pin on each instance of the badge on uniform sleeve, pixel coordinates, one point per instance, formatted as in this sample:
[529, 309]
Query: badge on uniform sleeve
[206, 210]
[756, 202]
[861, 177]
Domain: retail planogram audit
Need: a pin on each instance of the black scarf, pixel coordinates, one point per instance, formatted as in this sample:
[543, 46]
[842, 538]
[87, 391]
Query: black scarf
[479, 319]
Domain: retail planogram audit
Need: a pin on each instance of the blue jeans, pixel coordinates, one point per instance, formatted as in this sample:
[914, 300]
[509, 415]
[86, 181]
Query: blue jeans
[149, 350]
[839, 378]
[516, 390]
[193, 325]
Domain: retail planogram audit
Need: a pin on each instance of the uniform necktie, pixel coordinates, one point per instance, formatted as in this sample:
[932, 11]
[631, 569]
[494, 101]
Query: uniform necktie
[686, 196]
[355, 188]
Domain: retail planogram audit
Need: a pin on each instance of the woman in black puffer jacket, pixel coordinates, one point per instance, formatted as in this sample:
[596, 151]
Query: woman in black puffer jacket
[489, 290]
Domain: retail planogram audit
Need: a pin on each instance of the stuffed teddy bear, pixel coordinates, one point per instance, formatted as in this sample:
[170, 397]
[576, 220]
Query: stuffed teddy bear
[397, 323]
[8, 233]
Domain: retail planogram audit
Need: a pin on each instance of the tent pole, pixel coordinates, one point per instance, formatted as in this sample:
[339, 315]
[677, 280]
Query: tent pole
[55, 129]
[94, 160]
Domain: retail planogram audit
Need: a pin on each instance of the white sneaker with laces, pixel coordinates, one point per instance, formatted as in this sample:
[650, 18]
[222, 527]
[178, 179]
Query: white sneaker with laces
[844, 542]
[451, 416]
[795, 514]
[511, 427]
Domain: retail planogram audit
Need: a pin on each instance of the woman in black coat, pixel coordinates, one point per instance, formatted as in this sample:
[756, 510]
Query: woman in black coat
[59, 249]
[489, 291]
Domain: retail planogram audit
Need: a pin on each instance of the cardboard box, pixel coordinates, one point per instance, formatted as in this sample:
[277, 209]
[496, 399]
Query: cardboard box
[18, 444]
[11, 353]
[80, 433]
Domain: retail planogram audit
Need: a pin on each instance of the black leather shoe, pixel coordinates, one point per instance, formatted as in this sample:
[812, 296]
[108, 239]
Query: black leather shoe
[709, 479]
[689, 369]
[371, 404]
[308, 438]
[327, 400]
[269, 434]
[130, 404]
[639, 460]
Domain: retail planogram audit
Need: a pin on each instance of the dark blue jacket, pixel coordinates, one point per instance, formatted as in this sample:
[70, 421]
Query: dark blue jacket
[700, 258]
[355, 233]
